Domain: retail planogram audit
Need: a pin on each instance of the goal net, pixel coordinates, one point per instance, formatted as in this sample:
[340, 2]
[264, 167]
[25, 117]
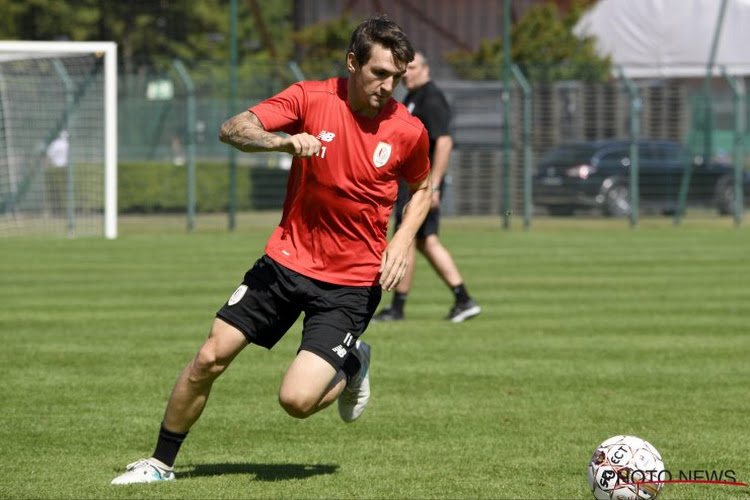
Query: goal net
[58, 138]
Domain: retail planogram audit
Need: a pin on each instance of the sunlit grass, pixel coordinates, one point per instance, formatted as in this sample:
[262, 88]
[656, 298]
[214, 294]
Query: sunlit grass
[590, 328]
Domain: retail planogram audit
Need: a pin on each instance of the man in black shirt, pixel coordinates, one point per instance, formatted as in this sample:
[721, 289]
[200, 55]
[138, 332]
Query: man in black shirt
[427, 102]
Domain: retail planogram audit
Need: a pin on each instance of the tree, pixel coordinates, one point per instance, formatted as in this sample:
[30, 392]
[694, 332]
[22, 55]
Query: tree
[47, 20]
[542, 45]
[322, 47]
[148, 33]
[151, 34]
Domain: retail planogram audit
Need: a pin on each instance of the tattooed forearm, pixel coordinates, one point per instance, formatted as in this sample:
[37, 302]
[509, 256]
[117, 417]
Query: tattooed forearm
[246, 133]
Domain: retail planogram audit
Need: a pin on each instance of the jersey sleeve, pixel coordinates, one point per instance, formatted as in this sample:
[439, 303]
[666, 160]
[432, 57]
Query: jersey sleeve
[416, 167]
[437, 116]
[282, 112]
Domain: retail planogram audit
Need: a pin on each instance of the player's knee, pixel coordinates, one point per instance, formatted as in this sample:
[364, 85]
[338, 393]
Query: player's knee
[205, 366]
[296, 404]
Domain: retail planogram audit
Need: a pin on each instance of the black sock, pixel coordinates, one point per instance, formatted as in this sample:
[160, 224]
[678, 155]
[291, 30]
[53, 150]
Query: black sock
[399, 299]
[168, 445]
[351, 366]
[460, 292]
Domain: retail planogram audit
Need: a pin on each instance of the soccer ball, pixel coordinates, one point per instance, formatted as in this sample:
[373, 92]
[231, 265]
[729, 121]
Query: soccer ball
[625, 468]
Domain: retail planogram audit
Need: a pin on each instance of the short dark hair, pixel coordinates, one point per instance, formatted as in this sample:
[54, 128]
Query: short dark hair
[382, 31]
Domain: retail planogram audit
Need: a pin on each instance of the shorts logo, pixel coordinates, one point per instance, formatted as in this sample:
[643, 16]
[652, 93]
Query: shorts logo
[339, 349]
[348, 340]
[237, 295]
[382, 154]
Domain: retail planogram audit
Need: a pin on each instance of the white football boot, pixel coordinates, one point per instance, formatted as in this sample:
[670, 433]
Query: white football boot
[145, 470]
[356, 394]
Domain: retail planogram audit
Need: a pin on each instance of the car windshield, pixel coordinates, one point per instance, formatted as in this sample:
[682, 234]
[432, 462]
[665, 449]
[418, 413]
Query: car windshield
[571, 154]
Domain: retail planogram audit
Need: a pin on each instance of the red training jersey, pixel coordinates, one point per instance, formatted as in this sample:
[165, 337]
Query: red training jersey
[338, 202]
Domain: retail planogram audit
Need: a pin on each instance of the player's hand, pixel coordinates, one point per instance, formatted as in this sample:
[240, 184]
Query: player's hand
[393, 264]
[303, 145]
[435, 202]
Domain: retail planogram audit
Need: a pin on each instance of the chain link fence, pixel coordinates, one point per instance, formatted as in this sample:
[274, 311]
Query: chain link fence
[154, 132]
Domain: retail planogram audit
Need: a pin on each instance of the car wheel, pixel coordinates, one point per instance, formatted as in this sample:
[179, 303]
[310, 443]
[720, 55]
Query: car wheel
[616, 200]
[724, 193]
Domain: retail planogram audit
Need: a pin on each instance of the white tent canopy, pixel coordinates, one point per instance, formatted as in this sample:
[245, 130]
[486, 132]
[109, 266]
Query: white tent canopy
[670, 38]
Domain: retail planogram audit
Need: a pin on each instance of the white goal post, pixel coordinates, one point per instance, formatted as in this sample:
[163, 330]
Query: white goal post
[52, 91]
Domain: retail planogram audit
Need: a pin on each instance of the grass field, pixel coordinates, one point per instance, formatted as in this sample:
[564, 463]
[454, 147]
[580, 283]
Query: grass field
[589, 329]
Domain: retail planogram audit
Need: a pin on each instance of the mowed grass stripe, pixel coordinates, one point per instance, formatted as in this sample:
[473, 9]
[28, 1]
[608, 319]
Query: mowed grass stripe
[589, 329]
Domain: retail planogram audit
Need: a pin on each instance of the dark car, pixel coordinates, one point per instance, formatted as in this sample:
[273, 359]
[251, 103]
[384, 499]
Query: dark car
[596, 175]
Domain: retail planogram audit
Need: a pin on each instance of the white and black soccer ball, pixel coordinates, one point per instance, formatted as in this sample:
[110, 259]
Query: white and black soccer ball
[626, 468]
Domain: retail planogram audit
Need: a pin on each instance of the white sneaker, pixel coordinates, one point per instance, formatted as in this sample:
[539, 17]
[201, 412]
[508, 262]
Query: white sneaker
[145, 470]
[356, 394]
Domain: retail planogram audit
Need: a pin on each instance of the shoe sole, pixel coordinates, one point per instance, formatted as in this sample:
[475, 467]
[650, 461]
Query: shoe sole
[467, 314]
[139, 480]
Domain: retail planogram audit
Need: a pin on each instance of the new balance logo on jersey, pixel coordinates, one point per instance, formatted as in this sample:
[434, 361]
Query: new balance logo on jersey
[339, 349]
[325, 136]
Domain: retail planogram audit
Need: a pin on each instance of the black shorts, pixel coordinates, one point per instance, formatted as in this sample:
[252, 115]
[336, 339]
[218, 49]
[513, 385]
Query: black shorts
[430, 225]
[272, 297]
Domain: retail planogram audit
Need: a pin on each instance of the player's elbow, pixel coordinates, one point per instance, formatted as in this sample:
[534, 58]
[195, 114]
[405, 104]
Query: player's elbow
[444, 141]
[225, 132]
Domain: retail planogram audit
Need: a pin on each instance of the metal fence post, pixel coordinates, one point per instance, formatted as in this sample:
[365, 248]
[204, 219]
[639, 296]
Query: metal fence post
[232, 106]
[738, 94]
[708, 118]
[527, 194]
[506, 114]
[190, 120]
[635, 130]
[296, 71]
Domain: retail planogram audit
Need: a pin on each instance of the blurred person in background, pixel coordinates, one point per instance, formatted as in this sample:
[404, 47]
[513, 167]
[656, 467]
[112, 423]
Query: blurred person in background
[58, 152]
[428, 103]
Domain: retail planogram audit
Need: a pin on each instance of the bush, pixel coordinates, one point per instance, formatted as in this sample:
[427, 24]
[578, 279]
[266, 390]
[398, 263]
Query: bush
[151, 187]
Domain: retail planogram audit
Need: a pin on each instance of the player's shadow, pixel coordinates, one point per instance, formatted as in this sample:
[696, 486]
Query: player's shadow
[263, 472]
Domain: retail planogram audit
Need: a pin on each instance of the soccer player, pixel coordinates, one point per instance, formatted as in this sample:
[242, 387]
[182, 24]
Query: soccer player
[329, 257]
[427, 102]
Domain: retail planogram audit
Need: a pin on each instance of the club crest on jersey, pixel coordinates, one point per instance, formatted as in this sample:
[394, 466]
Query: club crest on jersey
[382, 154]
